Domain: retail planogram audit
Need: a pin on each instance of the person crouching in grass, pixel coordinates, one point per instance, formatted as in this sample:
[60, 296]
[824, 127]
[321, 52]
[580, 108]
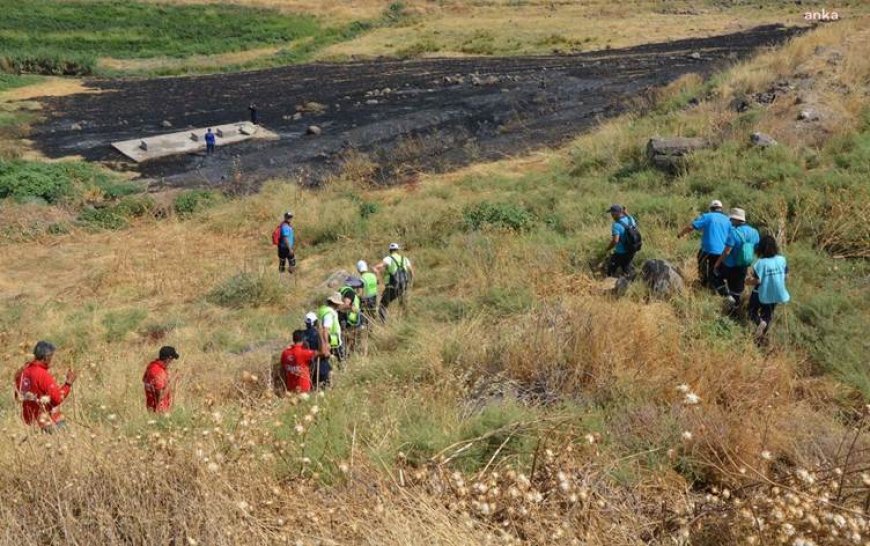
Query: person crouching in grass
[296, 363]
[767, 275]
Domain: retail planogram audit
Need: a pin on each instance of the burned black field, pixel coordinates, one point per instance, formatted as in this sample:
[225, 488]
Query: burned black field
[405, 116]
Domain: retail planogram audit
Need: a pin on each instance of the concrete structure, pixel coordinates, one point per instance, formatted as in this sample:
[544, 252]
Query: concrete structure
[190, 141]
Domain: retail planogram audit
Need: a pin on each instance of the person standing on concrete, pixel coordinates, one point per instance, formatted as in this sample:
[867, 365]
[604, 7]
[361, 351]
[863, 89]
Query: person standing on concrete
[158, 391]
[209, 142]
[767, 276]
[714, 227]
[285, 238]
[730, 267]
[624, 240]
[399, 275]
[252, 108]
[39, 393]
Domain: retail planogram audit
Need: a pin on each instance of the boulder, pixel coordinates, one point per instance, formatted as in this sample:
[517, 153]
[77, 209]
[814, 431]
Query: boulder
[314, 130]
[669, 154]
[696, 55]
[662, 278]
[335, 281]
[75, 127]
[809, 114]
[762, 140]
[297, 116]
[166, 124]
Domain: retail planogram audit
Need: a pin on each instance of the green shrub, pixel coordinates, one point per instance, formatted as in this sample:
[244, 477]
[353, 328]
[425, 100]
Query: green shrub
[367, 208]
[61, 182]
[498, 215]
[119, 323]
[102, 218]
[193, 201]
[246, 290]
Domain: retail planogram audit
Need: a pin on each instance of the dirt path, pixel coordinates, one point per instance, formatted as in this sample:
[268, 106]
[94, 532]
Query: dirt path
[404, 116]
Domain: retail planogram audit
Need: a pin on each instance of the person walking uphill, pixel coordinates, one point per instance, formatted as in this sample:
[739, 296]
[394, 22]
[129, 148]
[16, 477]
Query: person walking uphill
[284, 237]
[739, 252]
[369, 291]
[714, 226]
[320, 368]
[625, 240]
[39, 393]
[399, 275]
[330, 327]
[767, 276]
[158, 389]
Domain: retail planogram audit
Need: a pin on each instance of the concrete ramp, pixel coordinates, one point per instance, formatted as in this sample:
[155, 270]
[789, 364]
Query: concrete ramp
[190, 141]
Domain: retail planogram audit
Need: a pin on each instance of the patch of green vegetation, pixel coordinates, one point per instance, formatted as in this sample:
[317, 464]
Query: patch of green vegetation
[119, 323]
[498, 215]
[193, 201]
[11, 81]
[59, 183]
[116, 215]
[246, 290]
[57, 37]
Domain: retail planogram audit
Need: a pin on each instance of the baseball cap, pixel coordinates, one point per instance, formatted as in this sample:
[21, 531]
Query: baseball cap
[362, 266]
[335, 298]
[288, 214]
[615, 209]
[394, 246]
[738, 214]
[715, 204]
[310, 318]
[168, 352]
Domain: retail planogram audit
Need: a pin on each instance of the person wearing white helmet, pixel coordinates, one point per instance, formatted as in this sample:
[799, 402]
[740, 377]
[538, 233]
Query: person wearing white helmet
[320, 365]
[369, 291]
[714, 226]
[399, 274]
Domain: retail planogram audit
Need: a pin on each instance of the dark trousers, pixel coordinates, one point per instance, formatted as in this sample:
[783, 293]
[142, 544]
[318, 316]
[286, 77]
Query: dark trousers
[731, 281]
[285, 255]
[391, 294]
[209, 149]
[320, 372]
[620, 262]
[760, 311]
[368, 308]
[706, 262]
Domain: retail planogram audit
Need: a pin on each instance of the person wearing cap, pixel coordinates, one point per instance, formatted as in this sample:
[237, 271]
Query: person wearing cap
[158, 390]
[350, 314]
[399, 274]
[295, 362]
[330, 327]
[320, 365]
[39, 393]
[369, 291]
[714, 226]
[287, 244]
[767, 276]
[730, 268]
[622, 256]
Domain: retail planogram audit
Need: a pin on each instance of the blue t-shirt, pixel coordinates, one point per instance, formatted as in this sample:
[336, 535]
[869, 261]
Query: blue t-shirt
[209, 138]
[287, 233]
[736, 239]
[618, 228]
[714, 228]
[771, 273]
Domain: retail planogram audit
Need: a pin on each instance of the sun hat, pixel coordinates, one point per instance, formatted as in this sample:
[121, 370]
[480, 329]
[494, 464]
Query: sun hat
[353, 282]
[335, 298]
[715, 204]
[738, 214]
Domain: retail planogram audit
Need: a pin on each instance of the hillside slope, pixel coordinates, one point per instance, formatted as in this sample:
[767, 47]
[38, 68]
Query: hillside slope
[512, 401]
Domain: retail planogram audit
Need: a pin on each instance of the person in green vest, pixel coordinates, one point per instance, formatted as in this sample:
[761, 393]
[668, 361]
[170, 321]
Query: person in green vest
[369, 291]
[350, 315]
[330, 328]
[399, 275]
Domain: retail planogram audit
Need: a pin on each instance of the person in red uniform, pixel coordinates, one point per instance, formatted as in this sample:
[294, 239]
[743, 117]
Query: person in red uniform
[39, 393]
[295, 361]
[158, 392]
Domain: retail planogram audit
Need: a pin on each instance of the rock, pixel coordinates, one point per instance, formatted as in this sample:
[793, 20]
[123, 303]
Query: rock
[194, 137]
[286, 117]
[75, 127]
[661, 278]
[669, 154]
[166, 124]
[143, 146]
[740, 104]
[313, 107]
[485, 80]
[809, 114]
[219, 132]
[297, 116]
[314, 130]
[765, 98]
[695, 55]
[762, 140]
[335, 280]
[372, 101]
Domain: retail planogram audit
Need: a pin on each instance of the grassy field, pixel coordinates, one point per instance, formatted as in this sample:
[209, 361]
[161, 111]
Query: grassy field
[512, 402]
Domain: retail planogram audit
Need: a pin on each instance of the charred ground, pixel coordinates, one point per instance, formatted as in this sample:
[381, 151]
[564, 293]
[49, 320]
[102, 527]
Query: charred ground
[403, 115]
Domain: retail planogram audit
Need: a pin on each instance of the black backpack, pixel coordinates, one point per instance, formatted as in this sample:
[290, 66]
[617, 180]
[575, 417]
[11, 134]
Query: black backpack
[399, 279]
[631, 237]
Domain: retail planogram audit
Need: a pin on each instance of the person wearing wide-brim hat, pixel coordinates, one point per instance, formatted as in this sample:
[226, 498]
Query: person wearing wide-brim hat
[738, 255]
[331, 343]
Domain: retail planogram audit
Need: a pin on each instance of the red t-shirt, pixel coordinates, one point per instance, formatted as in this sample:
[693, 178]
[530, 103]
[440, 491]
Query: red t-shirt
[156, 379]
[294, 361]
[39, 393]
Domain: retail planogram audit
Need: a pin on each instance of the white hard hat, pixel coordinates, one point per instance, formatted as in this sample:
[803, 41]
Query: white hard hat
[310, 318]
[362, 266]
[394, 246]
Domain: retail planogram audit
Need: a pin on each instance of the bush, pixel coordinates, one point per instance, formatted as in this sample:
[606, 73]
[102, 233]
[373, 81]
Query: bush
[246, 290]
[119, 323]
[498, 215]
[193, 201]
[61, 182]
[102, 218]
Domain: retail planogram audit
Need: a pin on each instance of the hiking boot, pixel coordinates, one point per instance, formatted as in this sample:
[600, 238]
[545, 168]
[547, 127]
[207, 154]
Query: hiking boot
[761, 329]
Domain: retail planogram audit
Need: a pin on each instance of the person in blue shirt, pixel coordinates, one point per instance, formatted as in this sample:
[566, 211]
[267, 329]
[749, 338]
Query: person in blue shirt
[287, 245]
[622, 256]
[209, 142]
[714, 227]
[730, 267]
[767, 276]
